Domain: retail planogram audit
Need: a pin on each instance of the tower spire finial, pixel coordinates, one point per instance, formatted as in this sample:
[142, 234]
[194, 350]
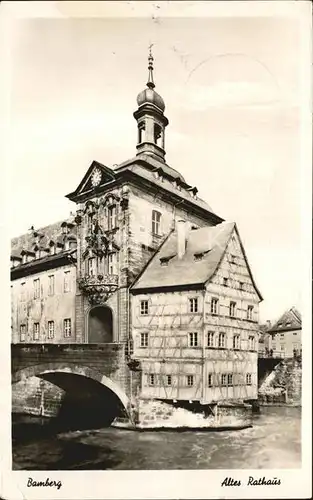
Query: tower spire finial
[150, 82]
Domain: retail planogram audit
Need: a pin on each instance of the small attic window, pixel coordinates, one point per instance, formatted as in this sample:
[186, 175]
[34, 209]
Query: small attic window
[165, 260]
[288, 323]
[198, 256]
[194, 227]
[225, 281]
[280, 325]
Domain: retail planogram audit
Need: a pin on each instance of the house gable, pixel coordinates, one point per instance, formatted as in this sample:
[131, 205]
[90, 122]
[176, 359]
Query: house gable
[97, 177]
[233, 270]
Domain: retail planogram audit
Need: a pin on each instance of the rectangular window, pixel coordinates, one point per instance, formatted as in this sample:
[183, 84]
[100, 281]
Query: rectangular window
[190, 380]
[112, 217]
[51, 284]
[112, 263]
[240, 285]
[193, 339]
[221, 340]
[250, 313]
[36, 331]
[67, 327]
[236, 342]
[22, 333]
[282, 335]
[210, 339]
[144, 307]
[248, 379]
[66, 281]
[224, 380]
[251, 343]
[168, 379]
[229, 379]
[274, 347]
[151, 379]
[23, 296]
[156, 222]
[193, 305]
[50, 329]
[91, 266]
[36, 288]
[214, 306]
[233, 259]
[225, 281]
[232, 309]
[294, 333]
[210, 380]
[144, 339]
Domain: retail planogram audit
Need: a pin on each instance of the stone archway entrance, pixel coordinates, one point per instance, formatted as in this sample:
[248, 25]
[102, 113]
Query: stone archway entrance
[100, 325]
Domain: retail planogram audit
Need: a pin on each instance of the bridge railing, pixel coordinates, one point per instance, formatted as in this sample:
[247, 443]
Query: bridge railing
[265, 353]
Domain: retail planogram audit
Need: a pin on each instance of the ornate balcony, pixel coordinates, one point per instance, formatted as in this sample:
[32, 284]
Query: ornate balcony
[98, 288]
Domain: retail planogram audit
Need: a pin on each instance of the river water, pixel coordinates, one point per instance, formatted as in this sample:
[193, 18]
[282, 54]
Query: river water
[274, 441]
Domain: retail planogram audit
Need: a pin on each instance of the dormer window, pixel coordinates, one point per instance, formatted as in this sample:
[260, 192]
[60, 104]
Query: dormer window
[66, 245]
[198, 256]
[52, 249]
[64, 228]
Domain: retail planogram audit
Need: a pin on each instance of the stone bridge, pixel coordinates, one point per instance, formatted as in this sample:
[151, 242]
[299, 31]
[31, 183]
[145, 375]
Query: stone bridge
[86, 372]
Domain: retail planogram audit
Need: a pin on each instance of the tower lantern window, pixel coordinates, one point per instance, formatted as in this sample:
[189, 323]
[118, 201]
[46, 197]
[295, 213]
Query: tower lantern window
[157, 133]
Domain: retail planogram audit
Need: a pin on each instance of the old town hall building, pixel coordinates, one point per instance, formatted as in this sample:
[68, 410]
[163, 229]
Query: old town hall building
[147, 263]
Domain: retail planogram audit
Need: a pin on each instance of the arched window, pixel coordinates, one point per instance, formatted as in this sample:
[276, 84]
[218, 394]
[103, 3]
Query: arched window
[157, 134]
[141, 132]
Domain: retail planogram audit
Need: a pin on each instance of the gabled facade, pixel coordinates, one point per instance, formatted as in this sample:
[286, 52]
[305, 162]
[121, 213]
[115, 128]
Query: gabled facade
[195, 318]
[285, 336]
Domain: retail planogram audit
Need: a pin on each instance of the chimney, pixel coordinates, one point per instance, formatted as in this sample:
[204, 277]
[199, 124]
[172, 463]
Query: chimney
[181, 238]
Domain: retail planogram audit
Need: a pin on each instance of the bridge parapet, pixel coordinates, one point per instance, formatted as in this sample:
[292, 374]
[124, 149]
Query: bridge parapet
[108, 359]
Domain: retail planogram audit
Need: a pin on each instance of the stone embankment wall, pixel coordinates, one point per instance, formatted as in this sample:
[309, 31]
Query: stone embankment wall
[283, 384]
[36, 397]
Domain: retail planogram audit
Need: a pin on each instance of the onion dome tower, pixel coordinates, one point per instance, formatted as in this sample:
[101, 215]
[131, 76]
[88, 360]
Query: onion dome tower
[150, 119]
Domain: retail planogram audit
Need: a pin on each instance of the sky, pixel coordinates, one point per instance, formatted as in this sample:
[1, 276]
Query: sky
[232, 91]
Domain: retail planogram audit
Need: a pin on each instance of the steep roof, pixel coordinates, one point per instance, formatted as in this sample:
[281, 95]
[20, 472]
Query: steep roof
[290, 320]
[53, 232]
[209, 241]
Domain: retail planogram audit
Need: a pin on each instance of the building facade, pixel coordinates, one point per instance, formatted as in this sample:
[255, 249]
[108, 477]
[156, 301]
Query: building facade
[147, 263]
[284, 338]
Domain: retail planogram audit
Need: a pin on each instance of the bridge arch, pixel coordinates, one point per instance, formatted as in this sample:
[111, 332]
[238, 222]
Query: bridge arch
[46, 371]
